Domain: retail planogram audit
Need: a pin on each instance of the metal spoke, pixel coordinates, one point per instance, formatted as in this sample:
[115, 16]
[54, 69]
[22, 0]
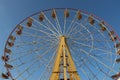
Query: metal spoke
[84, 72]
[50, 61]
[51, 23]
[94, 75]
[58, 24]
[93, 47]
[98, 60]
[30, 52]
[46, 27]
[71, 27]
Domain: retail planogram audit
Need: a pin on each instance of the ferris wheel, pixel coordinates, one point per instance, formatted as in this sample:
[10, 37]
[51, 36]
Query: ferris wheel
[62, 44]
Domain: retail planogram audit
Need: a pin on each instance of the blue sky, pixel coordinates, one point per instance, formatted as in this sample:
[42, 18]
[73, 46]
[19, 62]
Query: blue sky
[13, 11]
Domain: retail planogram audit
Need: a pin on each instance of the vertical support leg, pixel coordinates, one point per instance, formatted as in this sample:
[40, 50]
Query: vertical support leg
[65, 65]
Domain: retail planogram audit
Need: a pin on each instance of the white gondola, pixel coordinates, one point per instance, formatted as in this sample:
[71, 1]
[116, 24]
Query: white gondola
[111, 33]
[118, 51]
[41, 17]
[117, 45]
[66, 13]
[10, 44]
[53, 14]
[8, 66]
[79, 15]
[19, 30]
[102, 25]
[13, 38]
[116, 76]
[5, 58]
[8, 50]
[113, 38]
[91, 20]
[4, 76]
[118, 60]
[29, 23]
[20, 27]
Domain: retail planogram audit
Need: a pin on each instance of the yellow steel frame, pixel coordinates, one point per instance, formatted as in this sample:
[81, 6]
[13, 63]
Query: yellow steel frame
[63, 54]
